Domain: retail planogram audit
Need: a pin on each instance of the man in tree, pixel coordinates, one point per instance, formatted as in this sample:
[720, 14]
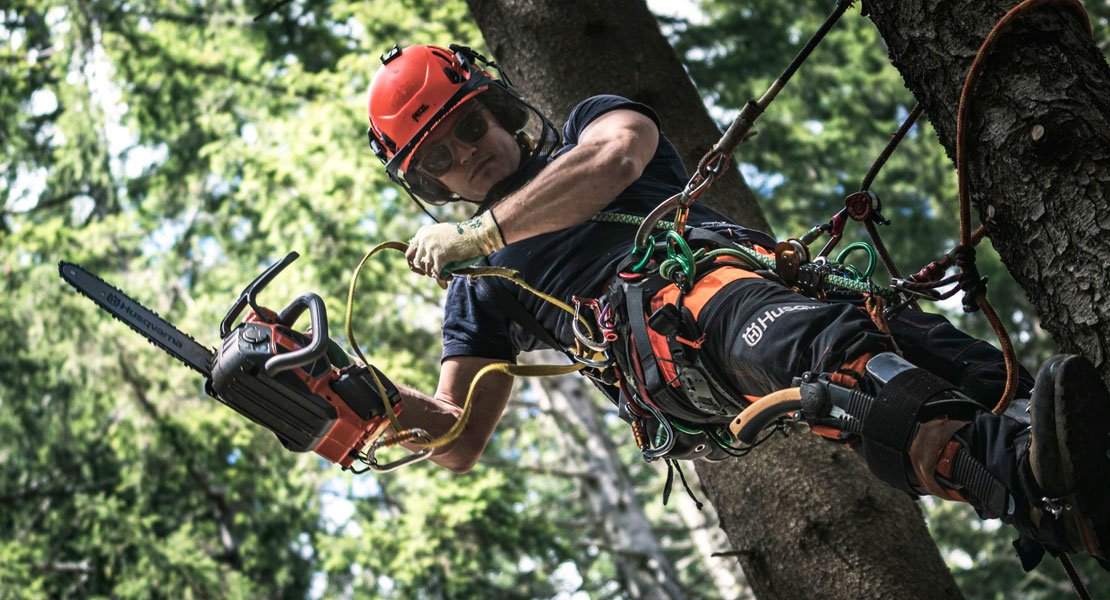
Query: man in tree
[564, 214]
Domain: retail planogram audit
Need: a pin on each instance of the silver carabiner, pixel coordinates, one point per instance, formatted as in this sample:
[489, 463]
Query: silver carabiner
[656, 215]
[576, 326]
[899, 285]
[694, 188]
[597, 364]
[418, 435]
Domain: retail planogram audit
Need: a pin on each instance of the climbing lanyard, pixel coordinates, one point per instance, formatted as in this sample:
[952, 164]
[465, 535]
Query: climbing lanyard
[418, 437]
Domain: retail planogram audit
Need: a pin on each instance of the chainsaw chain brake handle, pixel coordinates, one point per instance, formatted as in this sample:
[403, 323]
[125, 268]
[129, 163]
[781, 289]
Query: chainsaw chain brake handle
[319, 344]
[311, 302]
[250, 295]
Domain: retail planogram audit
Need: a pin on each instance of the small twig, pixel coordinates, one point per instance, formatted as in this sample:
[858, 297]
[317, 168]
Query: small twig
[271, 9]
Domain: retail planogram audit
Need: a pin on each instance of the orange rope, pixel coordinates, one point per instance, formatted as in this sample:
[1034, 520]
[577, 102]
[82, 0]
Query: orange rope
[966, 236]
[875, 306]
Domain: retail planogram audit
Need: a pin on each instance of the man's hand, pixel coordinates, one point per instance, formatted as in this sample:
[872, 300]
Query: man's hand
[437, 249]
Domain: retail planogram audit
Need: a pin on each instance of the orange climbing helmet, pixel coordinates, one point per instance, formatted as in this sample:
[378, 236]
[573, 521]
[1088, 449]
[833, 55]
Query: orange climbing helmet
[418, 86]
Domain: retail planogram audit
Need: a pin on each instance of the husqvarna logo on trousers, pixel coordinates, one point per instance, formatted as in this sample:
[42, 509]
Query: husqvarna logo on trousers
[753, 333]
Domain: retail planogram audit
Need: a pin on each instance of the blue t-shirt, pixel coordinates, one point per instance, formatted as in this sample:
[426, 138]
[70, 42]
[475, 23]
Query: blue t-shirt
[576, 261]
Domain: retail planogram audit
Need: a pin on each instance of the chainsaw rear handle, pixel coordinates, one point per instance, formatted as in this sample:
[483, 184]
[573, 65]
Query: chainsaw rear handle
[316, 349]
[250, 293]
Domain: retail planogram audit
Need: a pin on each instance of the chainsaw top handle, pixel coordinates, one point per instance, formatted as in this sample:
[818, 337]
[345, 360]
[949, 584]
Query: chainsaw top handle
[250, 294]
[319, 344]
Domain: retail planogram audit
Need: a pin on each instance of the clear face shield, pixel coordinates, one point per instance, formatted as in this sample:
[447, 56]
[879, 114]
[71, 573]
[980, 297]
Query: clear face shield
[535, 135]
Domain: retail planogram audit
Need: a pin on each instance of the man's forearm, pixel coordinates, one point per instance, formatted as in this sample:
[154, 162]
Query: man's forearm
[611, 153]
[572, 189]
[435, 416]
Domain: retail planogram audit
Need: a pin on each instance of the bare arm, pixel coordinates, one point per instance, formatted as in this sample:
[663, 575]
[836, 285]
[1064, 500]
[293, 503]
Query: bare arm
[611, 154]
[436, 414]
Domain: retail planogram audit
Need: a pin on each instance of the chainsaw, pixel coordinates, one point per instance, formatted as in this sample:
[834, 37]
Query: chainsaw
[299, 385]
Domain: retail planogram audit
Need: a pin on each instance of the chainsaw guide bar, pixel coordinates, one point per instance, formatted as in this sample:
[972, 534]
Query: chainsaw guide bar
[141, 319]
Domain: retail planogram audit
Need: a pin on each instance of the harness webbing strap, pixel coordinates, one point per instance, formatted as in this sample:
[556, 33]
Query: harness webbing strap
[892, 421]
[641, 338]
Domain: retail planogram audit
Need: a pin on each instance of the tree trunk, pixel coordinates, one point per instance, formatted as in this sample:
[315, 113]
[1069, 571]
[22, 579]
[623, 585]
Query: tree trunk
[1039, 146]
[645, 571]
[805, 517]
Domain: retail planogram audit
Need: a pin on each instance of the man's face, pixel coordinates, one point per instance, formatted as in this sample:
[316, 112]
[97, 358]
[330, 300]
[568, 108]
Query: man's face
[468, 152]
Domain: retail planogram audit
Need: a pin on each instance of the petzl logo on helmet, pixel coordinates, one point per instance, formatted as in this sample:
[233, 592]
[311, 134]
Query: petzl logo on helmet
[419, 112]
[753, 333]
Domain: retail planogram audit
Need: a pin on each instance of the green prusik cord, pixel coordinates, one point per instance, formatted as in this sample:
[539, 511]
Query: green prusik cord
[754, 259]
[748, 261]
[628, 220]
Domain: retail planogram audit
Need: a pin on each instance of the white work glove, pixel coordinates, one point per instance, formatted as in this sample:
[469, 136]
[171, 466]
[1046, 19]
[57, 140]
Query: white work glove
[438, 249]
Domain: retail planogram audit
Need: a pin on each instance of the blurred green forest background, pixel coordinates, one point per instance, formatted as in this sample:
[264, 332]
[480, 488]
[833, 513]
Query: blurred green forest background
[176, 149]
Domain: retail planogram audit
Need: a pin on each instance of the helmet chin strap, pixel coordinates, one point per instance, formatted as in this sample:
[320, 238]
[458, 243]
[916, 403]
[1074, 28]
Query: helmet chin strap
[420, 204]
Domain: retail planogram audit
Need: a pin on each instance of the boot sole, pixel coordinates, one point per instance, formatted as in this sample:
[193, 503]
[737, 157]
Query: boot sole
[1081, 419]
[1044, 448]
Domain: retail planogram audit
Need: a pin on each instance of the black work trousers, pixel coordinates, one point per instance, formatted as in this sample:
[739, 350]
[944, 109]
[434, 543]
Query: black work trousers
[760, 335]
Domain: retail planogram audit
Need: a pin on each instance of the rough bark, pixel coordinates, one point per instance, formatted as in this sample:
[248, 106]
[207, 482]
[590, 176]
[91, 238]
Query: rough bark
[1039, 146]
[806, 518]
[645, 571]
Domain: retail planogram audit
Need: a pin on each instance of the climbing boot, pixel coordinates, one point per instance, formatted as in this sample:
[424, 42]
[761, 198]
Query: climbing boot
[1069, 456]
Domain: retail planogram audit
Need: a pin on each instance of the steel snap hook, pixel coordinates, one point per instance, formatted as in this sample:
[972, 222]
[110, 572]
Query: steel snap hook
[412, 435]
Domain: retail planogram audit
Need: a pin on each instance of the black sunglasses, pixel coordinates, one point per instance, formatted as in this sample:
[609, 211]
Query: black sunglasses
[436, 160]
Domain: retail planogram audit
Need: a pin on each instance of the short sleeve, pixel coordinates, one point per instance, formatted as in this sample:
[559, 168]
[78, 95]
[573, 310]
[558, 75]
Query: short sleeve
[472, 326]
[591, 108]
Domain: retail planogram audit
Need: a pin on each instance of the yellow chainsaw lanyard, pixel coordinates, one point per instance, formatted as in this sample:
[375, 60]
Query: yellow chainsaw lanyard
[407, 435]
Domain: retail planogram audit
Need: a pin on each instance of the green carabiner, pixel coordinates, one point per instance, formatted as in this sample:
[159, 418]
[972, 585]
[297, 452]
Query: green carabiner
[643, 261]
[871, 259]
[683, 256]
